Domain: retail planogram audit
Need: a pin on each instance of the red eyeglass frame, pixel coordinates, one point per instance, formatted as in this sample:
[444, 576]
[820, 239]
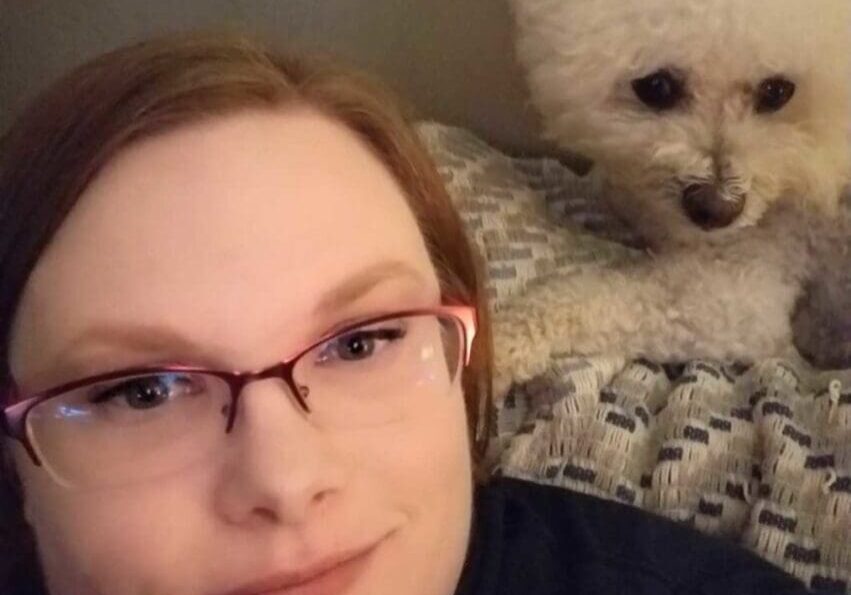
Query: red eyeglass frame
[13, 418]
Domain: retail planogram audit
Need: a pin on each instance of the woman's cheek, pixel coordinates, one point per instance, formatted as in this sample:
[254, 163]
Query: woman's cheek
[422, 469]
[117, 540]
[421, 458]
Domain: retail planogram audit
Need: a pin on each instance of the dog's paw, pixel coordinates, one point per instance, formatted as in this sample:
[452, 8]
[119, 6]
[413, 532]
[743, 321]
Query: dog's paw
[519, 352]
[821, 322]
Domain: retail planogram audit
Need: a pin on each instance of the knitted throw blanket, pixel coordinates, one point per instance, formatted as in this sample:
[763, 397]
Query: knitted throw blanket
[761, 456]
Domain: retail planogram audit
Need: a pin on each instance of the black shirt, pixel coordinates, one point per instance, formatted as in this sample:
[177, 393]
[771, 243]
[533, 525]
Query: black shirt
[539, 540]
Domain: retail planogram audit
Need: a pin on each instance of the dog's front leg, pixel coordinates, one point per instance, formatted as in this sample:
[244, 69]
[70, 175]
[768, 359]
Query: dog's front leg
[674, 308]
[602, 312]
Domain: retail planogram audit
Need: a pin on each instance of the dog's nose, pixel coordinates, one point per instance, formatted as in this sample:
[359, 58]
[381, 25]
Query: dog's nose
[705, 206]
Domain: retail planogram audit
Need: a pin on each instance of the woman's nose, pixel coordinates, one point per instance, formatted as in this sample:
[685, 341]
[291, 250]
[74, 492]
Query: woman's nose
[278, 467]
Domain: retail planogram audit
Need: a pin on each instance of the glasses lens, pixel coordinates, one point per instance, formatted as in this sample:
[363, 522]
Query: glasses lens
[381, 372]
[129, 428]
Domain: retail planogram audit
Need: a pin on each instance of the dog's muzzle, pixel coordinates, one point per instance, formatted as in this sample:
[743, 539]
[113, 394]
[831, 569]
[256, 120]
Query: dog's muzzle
[708, 208]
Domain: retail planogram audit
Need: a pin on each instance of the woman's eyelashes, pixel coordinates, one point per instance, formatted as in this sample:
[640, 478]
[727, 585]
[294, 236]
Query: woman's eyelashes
[360, 344]
[146, 392]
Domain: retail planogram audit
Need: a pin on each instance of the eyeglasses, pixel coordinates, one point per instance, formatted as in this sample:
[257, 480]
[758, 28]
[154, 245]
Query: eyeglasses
[134, 425]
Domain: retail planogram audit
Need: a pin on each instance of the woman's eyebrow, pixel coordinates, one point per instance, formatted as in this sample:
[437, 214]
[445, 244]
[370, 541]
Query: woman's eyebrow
[167, 344]
[360, 284]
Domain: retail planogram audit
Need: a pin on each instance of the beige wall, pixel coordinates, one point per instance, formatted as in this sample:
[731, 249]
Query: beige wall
[452, 59]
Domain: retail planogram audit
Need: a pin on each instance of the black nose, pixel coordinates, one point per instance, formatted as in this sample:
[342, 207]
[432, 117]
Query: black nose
[708, 209]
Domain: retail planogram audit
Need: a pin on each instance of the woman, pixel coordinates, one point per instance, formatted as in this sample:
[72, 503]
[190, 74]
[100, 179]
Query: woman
[236, 305]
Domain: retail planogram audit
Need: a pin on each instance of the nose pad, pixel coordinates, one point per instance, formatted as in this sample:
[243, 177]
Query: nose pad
[705, 206]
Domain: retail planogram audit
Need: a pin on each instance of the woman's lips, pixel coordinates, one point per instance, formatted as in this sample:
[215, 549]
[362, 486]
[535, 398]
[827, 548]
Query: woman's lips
[332, 575]
[336, 581]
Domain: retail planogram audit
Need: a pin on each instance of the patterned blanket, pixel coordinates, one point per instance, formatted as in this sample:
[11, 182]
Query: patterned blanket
[759, 455]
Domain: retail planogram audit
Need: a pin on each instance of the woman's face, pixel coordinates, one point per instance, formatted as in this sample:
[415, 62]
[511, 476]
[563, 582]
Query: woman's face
[232, 244]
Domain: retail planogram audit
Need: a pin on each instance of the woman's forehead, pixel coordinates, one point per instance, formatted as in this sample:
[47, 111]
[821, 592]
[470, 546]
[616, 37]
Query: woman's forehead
[289, 178]
[227, 220]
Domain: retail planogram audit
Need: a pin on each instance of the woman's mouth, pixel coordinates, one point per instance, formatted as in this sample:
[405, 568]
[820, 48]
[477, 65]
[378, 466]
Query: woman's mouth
[332, 575]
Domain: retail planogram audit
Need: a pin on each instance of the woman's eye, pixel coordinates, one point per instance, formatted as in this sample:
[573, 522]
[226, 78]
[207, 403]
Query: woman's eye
[356, 346]
[145, 392]
[360, 344]
[773, 94]
[660, 90]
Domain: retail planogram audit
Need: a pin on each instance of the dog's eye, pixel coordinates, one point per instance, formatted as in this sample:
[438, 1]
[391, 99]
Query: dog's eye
[660, 90]
[773, 94]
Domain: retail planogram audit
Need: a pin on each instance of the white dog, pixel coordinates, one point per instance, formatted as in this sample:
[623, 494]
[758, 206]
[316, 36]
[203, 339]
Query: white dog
[721, 129]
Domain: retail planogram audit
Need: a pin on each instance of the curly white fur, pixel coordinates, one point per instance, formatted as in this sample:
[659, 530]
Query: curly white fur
[724, 293]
